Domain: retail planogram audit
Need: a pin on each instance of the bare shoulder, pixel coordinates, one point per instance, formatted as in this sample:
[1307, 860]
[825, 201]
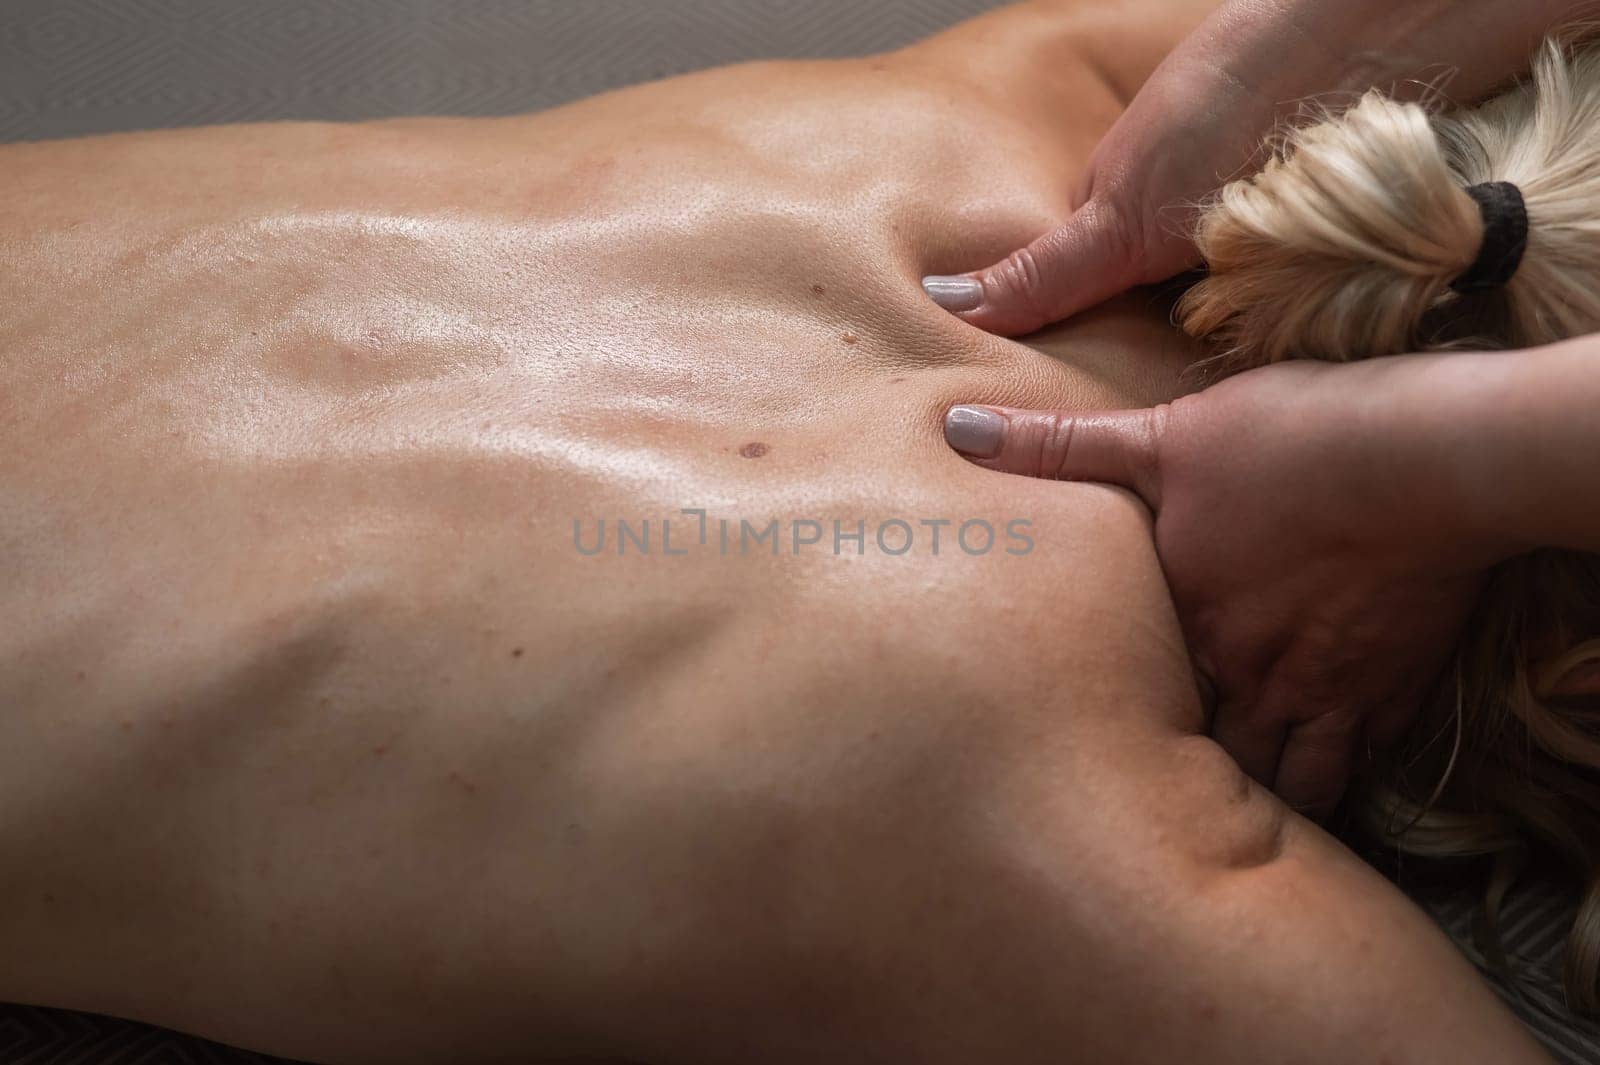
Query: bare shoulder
[1030, 50]
[1325, 961]
[1268, 940]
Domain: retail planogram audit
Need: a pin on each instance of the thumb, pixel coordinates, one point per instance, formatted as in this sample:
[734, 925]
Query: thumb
[1090, 259]
[1121, 448]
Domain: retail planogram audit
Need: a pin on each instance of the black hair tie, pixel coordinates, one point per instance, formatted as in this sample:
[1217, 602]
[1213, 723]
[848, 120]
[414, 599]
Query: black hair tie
[1505, 237]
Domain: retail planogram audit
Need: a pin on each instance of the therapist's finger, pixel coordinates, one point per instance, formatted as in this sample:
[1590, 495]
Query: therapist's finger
[1254, 738]
[1318, 759]
[1121, 448]
[1091, 258]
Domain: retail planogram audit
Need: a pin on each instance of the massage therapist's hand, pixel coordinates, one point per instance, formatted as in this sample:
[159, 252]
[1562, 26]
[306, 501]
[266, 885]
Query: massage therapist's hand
[1200, 122]
[1309, 520]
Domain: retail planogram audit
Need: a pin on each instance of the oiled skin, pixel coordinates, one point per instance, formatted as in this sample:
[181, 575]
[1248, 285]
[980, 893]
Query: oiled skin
[321, 737]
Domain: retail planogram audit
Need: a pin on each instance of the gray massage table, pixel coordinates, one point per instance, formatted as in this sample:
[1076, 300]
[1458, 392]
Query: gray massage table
[74, 67]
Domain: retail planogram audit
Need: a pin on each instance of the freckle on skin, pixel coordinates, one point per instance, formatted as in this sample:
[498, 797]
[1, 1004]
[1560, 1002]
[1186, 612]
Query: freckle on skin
[754, 450]
[818, 290]
[850, 338]
[517, 652]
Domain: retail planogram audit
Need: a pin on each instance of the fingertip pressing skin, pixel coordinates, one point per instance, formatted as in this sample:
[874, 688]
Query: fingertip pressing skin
[976, 432]
[956, 294]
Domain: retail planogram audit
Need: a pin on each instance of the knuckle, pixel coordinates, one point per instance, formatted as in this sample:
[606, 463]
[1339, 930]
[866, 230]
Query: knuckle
[1018, 278]
[1157, 420]
[1055, 446]
[1315, 800]
[1331, 726]
[1146, 459]
[1120, 228]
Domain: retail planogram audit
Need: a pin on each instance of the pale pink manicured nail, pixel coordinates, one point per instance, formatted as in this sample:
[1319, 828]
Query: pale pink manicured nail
[976, 432]
[954, 294]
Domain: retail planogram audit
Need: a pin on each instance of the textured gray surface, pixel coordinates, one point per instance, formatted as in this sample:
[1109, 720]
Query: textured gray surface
[71, 67]
[1534, 922]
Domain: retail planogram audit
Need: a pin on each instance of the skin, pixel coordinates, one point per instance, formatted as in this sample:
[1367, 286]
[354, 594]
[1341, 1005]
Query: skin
[1318, 627]
[322, 738]
[1201, 119]
[1368, 503]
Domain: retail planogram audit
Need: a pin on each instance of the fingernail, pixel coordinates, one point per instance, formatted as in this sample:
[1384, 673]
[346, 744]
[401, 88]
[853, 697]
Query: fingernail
[977, 432]
[954, 293]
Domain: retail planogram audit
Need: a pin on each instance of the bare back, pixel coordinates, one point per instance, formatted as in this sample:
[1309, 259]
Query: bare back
[337, 702]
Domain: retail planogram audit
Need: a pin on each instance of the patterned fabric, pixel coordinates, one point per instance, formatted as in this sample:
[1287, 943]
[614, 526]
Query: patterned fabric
[1534, 922]
[54, 1037]
[72, 67]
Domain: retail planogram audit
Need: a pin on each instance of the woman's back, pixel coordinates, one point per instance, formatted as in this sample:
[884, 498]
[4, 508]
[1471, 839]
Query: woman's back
[343, 612]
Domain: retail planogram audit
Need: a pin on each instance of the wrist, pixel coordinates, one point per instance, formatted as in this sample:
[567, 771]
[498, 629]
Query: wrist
[1506, 435]
[1425, 423]
[1461, 413]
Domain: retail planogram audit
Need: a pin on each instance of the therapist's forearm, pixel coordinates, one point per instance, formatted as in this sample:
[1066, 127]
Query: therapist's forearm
[1290, 50]
[1476, 45]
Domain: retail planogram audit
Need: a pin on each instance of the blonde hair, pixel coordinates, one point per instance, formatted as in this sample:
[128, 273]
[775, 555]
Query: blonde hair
[1346, 246]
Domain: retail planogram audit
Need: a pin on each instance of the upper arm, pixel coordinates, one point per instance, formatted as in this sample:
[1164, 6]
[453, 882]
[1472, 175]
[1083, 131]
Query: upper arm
[1209, 924]
[1319, 959]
